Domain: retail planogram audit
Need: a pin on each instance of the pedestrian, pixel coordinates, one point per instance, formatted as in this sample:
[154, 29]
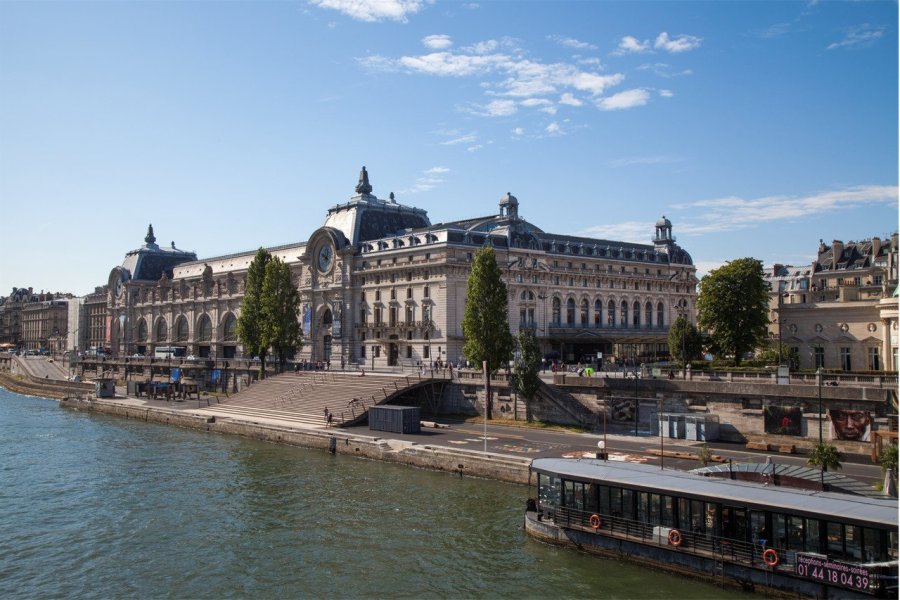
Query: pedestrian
[326, 415]
[330, 421]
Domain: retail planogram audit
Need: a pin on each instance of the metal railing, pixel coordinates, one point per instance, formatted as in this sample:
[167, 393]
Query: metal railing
[700, 544]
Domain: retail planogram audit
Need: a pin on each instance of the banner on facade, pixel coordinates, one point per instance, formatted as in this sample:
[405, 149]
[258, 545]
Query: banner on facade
[850, 425]
[783, 420]
[307, 320]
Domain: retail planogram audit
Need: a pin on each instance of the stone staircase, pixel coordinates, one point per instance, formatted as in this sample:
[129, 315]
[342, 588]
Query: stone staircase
[303, 397]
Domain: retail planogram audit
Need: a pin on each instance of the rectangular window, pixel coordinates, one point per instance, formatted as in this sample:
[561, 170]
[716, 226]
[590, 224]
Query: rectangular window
[426, 352]
[820, 357]
[874, 360]
[427, 292]
[845, 359]
[376, 350]
[409, 352]
[362, 351]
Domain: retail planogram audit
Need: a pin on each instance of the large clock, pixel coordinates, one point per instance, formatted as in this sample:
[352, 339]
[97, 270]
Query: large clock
[325, 258]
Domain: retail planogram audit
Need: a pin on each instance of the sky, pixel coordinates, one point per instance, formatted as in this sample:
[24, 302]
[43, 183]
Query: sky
[757, 128]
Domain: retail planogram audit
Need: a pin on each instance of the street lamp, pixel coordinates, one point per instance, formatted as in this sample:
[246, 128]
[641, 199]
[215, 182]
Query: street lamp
[819, 374]
[681, 309]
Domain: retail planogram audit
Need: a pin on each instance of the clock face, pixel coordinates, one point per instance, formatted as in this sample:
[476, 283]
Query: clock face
[326, 258]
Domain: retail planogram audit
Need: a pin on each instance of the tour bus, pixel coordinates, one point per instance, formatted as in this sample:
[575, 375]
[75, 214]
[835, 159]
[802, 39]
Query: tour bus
[169, 352]
[808, 542]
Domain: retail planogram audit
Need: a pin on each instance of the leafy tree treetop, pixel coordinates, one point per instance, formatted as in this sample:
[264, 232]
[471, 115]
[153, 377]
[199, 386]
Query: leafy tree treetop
[280, 309]
[485, 322]
[528, 363]
[733, 304]
[250, 321]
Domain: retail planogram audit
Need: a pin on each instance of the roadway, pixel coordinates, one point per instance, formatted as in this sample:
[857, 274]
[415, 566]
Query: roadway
[543, 443]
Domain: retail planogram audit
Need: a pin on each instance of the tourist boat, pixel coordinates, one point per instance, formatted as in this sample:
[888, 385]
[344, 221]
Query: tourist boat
[763, 537]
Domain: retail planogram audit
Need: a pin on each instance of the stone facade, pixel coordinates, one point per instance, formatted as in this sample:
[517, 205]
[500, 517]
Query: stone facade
[382, 286]
[840, 312]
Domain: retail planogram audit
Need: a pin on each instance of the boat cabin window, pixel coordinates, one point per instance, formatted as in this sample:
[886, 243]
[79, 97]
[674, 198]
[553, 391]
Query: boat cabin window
[548, 490]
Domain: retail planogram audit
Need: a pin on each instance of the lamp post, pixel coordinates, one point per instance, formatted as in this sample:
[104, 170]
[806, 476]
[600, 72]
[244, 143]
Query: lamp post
[681, 309]
[780, 304]
[819, 374]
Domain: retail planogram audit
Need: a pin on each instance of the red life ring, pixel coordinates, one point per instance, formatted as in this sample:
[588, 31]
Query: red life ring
[770, 557]
[675, 537]
[595, 521]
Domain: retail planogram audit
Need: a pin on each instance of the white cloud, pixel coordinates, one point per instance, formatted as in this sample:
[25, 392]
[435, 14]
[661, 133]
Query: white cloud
[514, 76]
[373, 10]
[664, 70]
[553, 129]
[428, 181]
[518, 131]
[731, 213]
[682, 43]
[570, 100]
[437, 41]
[632, 45]
[482, 47]
[624, 100]
[448, 64]
[859, 37]
[474, 148]
[501, 108]
[572, 42]
[666, 93]
[464, 139]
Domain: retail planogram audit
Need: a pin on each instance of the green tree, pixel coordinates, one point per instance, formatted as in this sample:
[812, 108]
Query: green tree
[527, 366]
[485, 323]
[733, 305]
[280, 309]
[685, 342]
[769, 354]
[704, 455]
[825, 456]
[250, 325]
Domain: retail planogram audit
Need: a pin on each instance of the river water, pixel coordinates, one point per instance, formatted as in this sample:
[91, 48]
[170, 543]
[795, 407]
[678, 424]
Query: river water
[101, 507]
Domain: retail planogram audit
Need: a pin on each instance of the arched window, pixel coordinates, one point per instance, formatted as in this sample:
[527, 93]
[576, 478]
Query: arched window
[624, 317]
[611, 314]
[527, 295]
[584, 312]
[181, 329]
[229, 328]
[557, 310]
[204, 329]
[598, 312]
[570, 311]
[636, 313]
[326, 317]
[660, 315]
[142, 331]
[648, 315]
[162, 330]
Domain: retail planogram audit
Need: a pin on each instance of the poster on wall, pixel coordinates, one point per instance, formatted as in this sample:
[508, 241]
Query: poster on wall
[783, 420]
[850, 425]
[307, 320]
[621, 409]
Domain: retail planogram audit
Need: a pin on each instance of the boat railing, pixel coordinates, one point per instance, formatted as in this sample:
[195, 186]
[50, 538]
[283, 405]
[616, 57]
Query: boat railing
[697, 543]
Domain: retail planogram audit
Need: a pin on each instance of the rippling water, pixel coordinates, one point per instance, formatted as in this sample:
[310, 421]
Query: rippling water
[100, 507]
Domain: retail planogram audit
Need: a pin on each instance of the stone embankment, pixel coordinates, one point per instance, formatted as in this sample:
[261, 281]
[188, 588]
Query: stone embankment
[464, 462]
[47, 388]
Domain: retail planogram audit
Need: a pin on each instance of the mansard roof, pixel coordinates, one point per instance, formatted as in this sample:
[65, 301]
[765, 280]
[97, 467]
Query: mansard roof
[149, 262]
[851, 256]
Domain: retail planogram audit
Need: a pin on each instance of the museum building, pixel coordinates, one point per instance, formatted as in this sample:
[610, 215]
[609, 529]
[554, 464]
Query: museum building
[380, 285]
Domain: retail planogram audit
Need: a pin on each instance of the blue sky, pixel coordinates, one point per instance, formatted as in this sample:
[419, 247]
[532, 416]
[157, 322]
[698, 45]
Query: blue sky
[757, 128]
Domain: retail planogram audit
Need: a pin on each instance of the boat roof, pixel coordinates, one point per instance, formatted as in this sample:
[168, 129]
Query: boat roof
[857, 510]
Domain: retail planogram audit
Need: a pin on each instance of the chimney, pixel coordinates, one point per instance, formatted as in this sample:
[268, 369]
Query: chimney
[837, 248]
[822, 247]
[776, 269]
[876, 246]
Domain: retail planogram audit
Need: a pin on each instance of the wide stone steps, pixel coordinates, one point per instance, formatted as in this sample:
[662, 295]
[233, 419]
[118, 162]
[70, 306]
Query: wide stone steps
[303, 397]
